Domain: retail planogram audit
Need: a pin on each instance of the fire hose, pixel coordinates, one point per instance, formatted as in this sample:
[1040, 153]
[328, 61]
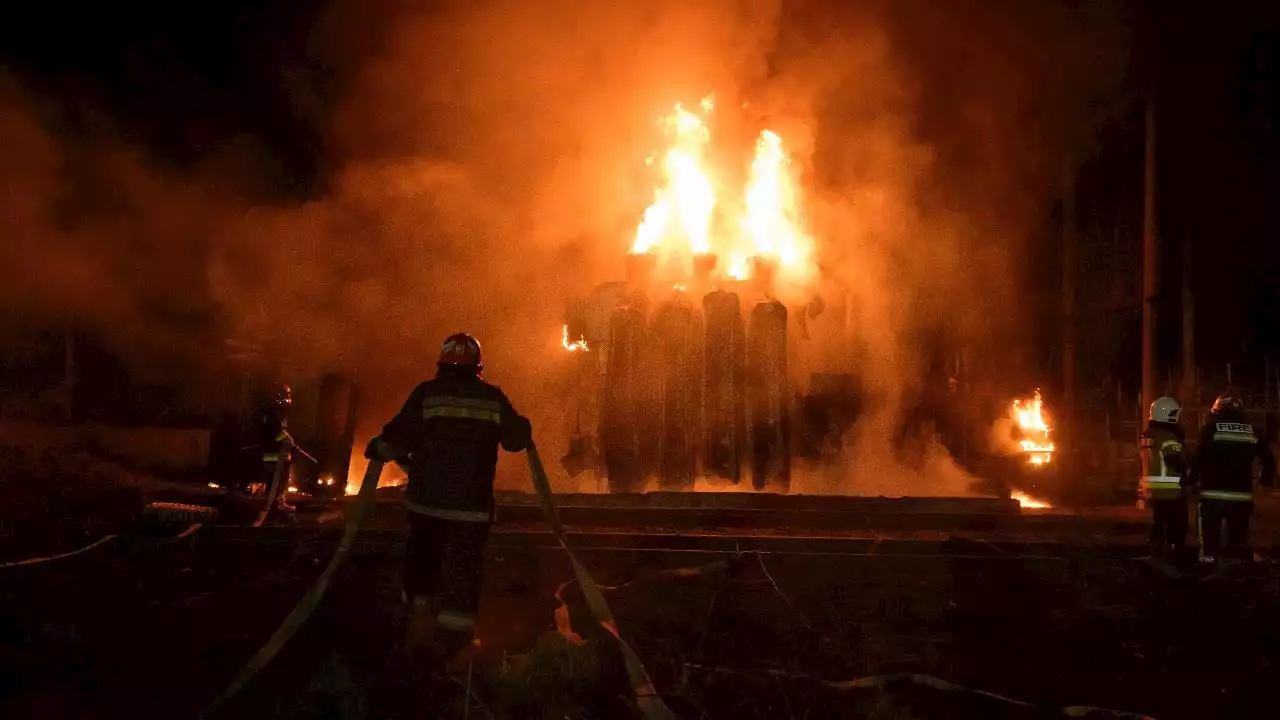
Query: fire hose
[309, 602]
[51, 558]
[646, 696]
[287, 446]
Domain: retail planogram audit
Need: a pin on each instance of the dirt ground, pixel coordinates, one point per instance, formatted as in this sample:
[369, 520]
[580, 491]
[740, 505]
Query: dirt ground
[150, 629]
[56, 503]
[1046, 616]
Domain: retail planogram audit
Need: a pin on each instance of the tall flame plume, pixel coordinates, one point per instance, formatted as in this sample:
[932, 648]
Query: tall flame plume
[689, 217]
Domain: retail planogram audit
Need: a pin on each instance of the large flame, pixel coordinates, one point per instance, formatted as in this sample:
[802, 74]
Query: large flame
[1036, 442]
[683, 205]
[687, 219]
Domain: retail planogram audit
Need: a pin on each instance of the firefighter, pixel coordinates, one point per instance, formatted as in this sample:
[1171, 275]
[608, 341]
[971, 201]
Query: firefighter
[447, 436]
[270, 428]
[1223, 472]
[1164, 466]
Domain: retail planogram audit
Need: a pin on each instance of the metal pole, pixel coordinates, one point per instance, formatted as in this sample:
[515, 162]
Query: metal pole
[1070, 252]
[1188, 326]
[1149, 266]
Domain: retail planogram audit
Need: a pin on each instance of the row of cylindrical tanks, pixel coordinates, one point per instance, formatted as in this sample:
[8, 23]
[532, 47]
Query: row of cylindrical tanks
[695, 389]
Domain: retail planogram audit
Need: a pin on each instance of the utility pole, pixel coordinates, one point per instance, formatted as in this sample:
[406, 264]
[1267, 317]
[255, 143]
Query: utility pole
[1070, 262]
[1150, 248]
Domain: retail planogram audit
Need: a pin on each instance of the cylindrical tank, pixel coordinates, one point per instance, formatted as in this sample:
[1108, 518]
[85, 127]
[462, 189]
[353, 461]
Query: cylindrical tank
[335, 433]
[676, 340]
[768, 396]
[724, 379]
[763, 272]
[703, 267]
[622, 402]
[641, 268]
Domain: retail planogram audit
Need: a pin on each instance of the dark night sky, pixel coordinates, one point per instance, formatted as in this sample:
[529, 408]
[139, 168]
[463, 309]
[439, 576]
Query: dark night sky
[183, 79]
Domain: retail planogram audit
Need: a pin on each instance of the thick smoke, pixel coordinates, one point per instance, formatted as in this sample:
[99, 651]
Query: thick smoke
[487, 165]
[941, 133]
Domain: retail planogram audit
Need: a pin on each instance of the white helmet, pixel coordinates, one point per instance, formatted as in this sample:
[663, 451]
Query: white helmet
[1165, 410]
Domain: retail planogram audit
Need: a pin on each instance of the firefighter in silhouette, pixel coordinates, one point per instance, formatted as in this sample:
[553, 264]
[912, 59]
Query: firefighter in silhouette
[1164, 468]
[270, 428]
[1223, 472]
[447, 435]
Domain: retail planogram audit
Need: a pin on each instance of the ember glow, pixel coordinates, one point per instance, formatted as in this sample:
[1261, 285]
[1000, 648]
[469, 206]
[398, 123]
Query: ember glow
[1036, 443]
[689, 218]
[1026, 501]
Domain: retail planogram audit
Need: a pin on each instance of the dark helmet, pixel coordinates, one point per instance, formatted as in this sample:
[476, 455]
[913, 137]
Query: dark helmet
[276, 395]
[462, 351]
[1227, 402]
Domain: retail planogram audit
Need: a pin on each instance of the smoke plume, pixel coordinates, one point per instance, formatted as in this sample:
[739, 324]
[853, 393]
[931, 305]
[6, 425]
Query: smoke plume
[486, 163]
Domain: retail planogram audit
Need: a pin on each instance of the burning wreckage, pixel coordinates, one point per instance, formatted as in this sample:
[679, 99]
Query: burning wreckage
[683, 371]
[683, 366]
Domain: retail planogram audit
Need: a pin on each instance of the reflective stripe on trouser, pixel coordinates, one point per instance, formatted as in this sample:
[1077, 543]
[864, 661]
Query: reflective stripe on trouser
[1227, 495]
[444, 560]
[1161, 487]
[1168, 525]
[1210, 518]
[456, 621]
[448, 514]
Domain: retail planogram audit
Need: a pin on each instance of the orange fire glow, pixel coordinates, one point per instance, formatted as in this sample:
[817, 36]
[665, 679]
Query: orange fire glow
[392, 474]
[1026, 501]
[1036, 443]
[687, 217]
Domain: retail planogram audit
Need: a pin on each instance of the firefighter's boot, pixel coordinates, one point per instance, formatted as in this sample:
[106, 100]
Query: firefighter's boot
[420, 637]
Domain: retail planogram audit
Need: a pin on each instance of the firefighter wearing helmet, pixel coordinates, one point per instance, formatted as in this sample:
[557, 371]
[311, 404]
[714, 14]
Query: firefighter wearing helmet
[271, 405]
[1164, 468]
[1223, 472]
[447, 436]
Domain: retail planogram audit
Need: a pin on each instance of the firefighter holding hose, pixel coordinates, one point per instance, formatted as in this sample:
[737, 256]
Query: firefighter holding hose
[270, 429]
[1164, 467]
[1223, 472]
[447, 435]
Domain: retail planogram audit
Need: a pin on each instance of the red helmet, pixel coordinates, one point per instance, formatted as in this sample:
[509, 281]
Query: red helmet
[461, 349]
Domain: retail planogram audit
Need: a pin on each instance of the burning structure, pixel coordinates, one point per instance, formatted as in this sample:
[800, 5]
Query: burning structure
[1025, 437]
[1033, 429]
[684, 365]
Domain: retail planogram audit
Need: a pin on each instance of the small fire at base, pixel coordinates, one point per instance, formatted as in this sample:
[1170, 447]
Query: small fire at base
[1036, 443]
[1026, 501]
[575, 345]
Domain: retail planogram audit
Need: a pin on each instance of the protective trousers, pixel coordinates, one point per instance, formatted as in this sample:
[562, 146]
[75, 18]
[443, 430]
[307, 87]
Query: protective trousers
[444, 560]
[1235, 514]
[1168, 526]
[267, 474]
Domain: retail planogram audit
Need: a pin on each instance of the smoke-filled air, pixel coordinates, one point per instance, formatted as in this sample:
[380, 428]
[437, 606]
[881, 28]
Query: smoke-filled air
[486, 162]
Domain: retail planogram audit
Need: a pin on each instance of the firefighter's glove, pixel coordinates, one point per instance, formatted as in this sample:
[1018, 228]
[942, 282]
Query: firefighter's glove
[377, 449]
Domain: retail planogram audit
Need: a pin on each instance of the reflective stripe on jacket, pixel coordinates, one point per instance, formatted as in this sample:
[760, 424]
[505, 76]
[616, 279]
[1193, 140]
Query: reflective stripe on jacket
[457, 407]
[274, 455]
[1224, 465]
[448, 433]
